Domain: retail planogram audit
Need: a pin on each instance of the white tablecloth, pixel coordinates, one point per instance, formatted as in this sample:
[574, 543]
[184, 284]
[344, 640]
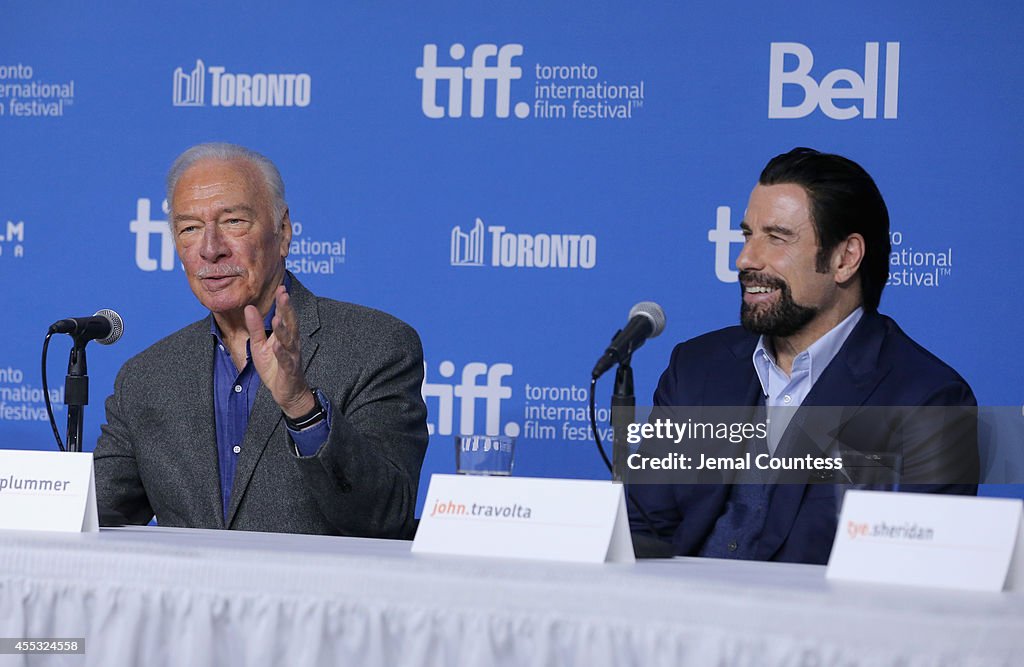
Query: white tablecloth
[161, 596]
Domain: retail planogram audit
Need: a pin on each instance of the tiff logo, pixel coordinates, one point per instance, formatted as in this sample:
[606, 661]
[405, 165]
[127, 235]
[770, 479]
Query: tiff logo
[723, 236]
[143, 227]
[478, 74]
[469, 391]
[468, 249]
[190, 89]
[840, 84]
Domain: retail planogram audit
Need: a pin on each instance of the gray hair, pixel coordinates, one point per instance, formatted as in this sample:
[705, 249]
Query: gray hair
[226, 152]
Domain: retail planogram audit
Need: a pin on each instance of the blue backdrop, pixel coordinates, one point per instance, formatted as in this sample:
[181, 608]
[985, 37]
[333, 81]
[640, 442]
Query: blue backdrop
[509, 178]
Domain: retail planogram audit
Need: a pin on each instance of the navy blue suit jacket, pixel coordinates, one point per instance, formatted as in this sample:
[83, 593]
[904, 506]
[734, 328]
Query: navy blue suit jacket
[878, 365]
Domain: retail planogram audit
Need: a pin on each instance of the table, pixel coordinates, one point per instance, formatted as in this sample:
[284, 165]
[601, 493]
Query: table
[165, 596]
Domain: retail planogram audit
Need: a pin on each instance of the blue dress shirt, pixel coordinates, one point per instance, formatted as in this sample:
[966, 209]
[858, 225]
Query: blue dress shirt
[234, 393]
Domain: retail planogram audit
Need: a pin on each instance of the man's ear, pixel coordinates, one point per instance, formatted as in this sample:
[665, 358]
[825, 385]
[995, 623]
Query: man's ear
[286, 233]
[847, 257]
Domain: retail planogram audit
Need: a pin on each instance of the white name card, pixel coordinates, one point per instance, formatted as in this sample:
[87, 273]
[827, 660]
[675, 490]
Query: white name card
[931, 540]
[519, 517]
[47, 491]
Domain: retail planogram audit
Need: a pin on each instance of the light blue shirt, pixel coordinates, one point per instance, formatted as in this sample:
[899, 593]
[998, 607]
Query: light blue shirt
[784, 393]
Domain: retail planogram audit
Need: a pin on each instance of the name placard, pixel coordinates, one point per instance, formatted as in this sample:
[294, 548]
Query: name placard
[519, 517]
[930, 540]
[47, 491]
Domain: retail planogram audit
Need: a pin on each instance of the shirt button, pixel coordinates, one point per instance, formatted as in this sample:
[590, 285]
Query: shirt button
[787, 399]
[236, 449]
[238, 390]
[733, 546]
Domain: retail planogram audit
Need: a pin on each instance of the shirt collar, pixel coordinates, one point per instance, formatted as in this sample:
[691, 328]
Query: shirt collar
[814, 359]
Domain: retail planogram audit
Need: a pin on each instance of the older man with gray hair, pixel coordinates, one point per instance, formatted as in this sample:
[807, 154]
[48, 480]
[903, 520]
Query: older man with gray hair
[281, 411]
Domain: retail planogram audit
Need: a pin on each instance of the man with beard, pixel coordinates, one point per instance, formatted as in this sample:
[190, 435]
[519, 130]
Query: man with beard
[814, 262]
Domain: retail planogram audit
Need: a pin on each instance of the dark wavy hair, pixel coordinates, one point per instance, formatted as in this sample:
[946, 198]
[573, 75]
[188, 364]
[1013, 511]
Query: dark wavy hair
[844, 200]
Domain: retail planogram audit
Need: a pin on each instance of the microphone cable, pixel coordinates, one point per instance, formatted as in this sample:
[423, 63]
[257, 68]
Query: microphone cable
[604, 457]
[46, 395]
[593, 425]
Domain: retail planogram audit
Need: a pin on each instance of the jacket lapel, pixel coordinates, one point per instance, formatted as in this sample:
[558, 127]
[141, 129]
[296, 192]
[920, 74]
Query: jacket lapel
[854, 374]
[266, 422]
[193, 394]
[737, 379]
[848, 381]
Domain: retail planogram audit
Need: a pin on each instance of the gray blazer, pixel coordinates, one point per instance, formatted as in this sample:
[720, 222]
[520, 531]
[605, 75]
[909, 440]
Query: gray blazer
[157, 453]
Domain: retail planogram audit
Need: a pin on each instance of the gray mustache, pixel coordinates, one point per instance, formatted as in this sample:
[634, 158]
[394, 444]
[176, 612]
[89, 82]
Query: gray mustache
[220, 271]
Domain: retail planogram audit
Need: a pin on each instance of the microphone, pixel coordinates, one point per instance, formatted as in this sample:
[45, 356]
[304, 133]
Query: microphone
[105, 327]
[646, 320]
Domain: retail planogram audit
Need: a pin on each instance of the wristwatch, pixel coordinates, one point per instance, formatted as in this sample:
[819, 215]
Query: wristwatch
[311, 418]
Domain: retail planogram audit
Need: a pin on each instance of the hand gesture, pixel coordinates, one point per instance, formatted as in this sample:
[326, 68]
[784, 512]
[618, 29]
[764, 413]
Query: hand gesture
[278, 358]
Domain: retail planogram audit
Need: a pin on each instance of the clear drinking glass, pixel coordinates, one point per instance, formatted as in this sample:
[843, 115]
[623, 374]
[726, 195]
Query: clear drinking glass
[484, 454]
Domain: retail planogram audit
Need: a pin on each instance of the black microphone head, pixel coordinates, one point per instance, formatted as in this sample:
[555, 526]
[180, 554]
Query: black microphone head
[116, 326]
[652, 312]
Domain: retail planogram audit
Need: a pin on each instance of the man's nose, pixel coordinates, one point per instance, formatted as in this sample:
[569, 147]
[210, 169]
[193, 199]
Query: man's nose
[213, 246]
[750, 257]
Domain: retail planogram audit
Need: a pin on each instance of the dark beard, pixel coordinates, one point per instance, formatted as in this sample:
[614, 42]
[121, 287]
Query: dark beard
[784, 318]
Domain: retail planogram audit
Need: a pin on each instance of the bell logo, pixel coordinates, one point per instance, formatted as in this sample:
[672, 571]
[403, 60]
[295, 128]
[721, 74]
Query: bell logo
[852, 86]
[479, 73]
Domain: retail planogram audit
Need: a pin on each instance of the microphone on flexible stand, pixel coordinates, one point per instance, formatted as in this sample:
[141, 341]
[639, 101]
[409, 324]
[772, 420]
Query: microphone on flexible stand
[105, 327]
[646, 320]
